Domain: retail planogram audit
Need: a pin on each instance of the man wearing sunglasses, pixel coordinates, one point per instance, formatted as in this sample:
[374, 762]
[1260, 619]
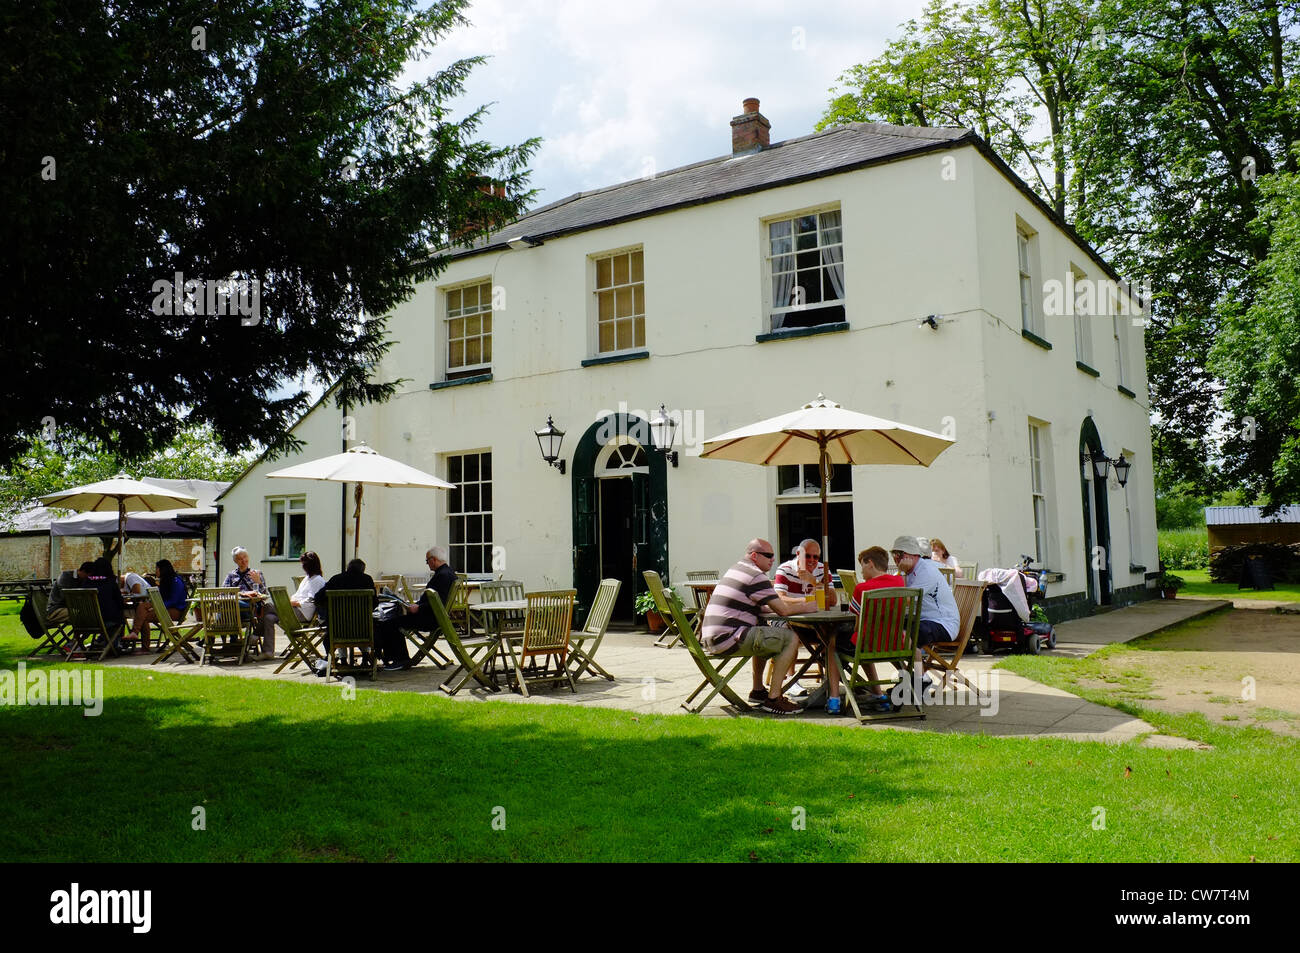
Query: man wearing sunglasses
[732, 624]
[797, 578]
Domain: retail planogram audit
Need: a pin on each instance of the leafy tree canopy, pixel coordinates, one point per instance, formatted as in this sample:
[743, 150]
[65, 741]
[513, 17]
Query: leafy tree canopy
[205, 202]
[63, 460]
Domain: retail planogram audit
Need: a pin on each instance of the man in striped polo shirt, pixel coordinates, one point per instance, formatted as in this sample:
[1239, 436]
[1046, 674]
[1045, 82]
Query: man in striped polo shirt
[732, 625]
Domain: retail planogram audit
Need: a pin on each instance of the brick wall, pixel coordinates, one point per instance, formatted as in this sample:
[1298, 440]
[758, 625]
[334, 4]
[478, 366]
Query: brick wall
[22, 557]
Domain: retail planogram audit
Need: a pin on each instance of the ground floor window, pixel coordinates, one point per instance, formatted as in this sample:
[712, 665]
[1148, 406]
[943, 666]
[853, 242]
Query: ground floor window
[799, 513]
[469, 512]
[286, 527]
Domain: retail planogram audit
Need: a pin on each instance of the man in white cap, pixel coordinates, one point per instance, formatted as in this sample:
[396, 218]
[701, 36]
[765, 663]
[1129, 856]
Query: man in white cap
[939, 616]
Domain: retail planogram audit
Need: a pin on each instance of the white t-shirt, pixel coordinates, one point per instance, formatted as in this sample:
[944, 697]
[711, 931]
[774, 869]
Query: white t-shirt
[306, 594]
[134, 579]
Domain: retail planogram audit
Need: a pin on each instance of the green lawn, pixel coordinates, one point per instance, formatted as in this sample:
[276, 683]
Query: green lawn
[1198, 584]
[296, 772]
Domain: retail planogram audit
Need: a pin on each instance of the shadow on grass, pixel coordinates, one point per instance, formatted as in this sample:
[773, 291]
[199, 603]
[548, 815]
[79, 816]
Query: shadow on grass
[365, 780]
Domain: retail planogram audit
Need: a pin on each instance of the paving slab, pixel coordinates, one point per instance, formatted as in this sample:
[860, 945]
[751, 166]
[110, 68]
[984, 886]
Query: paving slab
[1131, 622]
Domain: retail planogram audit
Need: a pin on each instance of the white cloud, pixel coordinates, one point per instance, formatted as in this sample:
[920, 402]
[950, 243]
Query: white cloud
[608, 85]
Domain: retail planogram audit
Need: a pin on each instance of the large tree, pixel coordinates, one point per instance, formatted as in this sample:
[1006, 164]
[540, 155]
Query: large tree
[262, 157]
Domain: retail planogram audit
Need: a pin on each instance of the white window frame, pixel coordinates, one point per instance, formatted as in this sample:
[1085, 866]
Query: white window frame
[1082, 322]
[1031, 298]
[485, 328]
[630, 287]
[459, 552]
[1038, 493]
[769, 269]
[289, 511]
[1119, 324]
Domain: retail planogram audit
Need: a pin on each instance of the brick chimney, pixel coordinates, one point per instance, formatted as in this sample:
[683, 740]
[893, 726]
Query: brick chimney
[749, 130]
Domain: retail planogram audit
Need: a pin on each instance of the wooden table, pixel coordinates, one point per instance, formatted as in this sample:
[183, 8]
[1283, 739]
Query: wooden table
[825, 623]
[491, 613]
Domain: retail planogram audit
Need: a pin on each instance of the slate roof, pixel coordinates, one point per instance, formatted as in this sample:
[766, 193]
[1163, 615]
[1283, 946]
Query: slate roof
[840, 149]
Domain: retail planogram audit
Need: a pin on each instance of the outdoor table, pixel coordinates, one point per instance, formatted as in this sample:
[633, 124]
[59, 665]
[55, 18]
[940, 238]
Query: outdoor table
[490, 613]
[824, 623]
[701, 591]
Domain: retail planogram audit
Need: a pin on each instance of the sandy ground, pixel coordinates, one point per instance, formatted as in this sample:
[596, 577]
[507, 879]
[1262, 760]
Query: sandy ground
[1241, 667]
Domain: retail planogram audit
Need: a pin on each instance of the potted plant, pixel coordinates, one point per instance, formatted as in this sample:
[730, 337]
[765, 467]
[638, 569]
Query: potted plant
[645, 605]
[1169, 584]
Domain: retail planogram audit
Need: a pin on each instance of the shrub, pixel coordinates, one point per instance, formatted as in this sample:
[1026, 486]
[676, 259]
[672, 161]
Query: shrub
[1184, 548]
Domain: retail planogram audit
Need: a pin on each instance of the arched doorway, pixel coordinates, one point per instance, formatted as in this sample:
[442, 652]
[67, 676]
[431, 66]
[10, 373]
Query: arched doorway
[620, 510]
[1096, 518]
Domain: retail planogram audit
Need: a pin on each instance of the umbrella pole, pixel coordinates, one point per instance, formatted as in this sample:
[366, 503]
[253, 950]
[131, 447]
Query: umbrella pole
[356, 529]
[826, 549]
[121, 534]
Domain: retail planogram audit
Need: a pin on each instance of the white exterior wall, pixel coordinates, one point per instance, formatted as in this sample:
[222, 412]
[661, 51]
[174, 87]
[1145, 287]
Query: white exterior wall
[916, 242]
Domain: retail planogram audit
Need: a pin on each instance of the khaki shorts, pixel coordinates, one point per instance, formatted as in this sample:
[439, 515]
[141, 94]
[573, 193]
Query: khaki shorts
[763, 640]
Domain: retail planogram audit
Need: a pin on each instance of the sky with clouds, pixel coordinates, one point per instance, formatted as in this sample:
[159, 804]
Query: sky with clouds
[619, 90]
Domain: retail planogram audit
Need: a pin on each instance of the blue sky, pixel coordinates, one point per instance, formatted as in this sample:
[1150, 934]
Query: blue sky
[620, 90]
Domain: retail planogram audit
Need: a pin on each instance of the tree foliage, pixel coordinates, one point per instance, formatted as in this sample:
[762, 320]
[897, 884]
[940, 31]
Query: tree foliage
[47, 465]
[1166, 120]
[264, 140]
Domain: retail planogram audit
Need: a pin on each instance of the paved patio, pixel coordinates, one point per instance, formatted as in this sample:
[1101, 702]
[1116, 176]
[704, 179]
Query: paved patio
[650, 680]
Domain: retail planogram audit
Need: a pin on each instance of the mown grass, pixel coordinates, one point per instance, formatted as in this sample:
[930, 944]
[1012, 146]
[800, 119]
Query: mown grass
[297, 772]
[1198, 584]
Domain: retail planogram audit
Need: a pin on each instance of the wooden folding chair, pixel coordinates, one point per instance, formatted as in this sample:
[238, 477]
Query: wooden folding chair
[297, 581]
[547, 625]
[85, 621]
[969, 571]
[219, 611]
[848, 582]
[470, 651]
[602, 609]
[424, 641]
[350, 623]
[945, 656]
[887, 628]
[718, 671]
[671, 634]
[385, 582]
[949, 574]
[176, 636]
[304, 638]
[57, 634]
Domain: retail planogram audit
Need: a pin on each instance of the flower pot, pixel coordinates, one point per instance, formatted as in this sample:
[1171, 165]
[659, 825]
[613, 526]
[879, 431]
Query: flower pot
[1168, 593]
[654, 620]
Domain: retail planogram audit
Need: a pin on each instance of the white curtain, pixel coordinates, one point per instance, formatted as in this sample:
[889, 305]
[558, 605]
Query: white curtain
[833, 255]
[783, 273]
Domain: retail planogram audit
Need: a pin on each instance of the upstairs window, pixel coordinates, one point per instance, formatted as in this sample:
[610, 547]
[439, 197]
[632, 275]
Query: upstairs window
[620, 302]
[805, 258]
[469, 330]
[1031, 315]
[1084, 308]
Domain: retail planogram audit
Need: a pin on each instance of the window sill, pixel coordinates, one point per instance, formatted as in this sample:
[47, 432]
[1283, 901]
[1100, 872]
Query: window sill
[616, 358]
[1035, 339]
[1126, 392]
[280, 559]
[1091, 371]
[457, 382]
[1136, 569]
[1051, 578]
[802, 332]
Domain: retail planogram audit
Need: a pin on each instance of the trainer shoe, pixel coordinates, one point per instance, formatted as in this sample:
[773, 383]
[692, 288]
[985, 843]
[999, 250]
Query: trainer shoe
[833, 706]
[779, 706]
[758, 695]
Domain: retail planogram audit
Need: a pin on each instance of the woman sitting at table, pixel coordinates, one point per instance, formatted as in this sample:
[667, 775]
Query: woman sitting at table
[939, 554]
[174, 594]
[304, 600]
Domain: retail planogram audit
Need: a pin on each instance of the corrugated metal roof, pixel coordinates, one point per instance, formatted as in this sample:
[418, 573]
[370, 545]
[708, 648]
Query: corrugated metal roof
[1238, 515]
[834, 150]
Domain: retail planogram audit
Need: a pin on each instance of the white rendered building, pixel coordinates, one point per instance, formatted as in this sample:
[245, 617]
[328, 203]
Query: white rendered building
[729, 291]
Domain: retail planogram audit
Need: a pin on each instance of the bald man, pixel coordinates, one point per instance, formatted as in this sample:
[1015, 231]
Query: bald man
[732, 624]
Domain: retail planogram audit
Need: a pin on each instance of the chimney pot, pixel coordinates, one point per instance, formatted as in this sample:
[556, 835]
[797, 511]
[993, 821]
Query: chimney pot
[751, 105]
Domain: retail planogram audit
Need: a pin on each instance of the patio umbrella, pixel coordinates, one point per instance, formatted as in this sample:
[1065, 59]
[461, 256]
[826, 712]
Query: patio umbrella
[120, 494]
[362, 465]
[824, 433]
